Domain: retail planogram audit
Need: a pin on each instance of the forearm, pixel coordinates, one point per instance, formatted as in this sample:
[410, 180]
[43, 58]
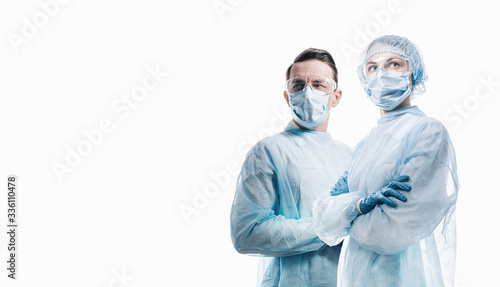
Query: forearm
[276, 236]
[333, 216]
[388, 230]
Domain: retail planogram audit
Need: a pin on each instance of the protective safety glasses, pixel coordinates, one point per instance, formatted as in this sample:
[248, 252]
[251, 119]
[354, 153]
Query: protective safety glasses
[322, 84]
[393, 64]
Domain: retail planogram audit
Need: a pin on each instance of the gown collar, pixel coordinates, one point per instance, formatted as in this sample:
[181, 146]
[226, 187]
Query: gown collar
[293, 128]
[400, 112]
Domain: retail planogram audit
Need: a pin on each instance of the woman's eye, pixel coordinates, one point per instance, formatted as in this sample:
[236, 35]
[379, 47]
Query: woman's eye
[394, 65]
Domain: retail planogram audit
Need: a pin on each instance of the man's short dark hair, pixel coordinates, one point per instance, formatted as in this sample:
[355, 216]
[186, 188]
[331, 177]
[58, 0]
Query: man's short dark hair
[315, 54]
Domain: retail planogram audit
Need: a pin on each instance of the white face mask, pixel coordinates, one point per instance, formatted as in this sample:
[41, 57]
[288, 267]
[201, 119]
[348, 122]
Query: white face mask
[387, 89]
[309, 107]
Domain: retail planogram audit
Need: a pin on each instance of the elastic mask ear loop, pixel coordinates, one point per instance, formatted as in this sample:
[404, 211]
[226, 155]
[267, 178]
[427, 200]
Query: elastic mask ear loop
[410, 81]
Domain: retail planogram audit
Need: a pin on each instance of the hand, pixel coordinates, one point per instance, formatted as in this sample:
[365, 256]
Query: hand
[341, 186]
[382, 196]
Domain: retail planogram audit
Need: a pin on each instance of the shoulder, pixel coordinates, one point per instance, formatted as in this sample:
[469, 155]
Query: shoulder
[267, 146]
[271, 141]
[429, 126]
[428, 134]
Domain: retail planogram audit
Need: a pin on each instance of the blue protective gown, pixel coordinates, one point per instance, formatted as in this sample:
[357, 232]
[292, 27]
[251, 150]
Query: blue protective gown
[414, 243]
[271, 215]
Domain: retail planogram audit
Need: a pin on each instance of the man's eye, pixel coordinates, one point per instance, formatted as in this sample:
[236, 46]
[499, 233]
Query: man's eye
[298, 87]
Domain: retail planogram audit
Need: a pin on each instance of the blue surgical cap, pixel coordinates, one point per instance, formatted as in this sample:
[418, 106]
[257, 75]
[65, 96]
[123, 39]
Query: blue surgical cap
[403, 47]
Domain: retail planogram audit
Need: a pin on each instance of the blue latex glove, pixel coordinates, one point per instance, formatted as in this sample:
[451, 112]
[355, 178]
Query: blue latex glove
[341, 186]
[382, 196]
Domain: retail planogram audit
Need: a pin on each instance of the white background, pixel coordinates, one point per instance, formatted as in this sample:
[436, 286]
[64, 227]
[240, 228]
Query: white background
[114, 218]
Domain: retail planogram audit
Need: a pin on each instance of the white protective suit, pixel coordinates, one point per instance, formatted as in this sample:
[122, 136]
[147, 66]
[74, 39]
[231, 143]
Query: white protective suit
[414, 243]
[271, 215]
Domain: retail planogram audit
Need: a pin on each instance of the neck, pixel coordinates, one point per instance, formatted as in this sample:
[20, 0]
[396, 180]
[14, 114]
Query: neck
[322, 128]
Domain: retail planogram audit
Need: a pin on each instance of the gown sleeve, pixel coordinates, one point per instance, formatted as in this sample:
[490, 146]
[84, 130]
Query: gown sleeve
[333, 215]
[256, 225]
[429, 159]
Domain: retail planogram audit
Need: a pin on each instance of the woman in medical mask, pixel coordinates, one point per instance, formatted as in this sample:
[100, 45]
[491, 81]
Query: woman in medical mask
[394, 207]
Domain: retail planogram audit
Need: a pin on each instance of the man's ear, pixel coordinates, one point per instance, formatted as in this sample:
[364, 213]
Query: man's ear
[286, 98]
[337, 95]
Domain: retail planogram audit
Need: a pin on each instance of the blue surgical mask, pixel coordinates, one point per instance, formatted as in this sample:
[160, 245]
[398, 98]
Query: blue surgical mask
[309, 107]
[387, 89]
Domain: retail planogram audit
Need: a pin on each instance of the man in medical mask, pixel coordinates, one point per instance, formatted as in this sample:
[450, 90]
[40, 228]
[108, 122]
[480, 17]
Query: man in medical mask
[284, 174]
[394, 208]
